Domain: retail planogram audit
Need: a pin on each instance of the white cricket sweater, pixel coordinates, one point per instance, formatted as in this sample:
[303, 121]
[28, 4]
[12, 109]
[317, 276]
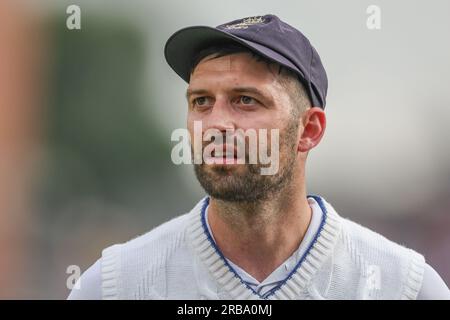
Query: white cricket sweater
[179, 260]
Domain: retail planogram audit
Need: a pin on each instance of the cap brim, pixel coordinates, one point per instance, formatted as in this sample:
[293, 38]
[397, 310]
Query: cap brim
[184, 44]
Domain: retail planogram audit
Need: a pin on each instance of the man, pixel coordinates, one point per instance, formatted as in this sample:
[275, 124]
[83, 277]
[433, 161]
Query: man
[257, 236]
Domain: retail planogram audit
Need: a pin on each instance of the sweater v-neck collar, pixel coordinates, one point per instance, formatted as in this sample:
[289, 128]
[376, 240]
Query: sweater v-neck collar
[296, 282]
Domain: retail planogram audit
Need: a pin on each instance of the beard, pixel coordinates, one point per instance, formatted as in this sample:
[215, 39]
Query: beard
[244, 182]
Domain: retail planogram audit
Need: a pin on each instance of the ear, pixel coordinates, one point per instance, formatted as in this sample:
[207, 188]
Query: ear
[314, 123]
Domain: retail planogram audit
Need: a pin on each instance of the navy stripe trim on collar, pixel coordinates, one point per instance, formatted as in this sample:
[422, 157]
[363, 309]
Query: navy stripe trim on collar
[322, 223]
[211, 241]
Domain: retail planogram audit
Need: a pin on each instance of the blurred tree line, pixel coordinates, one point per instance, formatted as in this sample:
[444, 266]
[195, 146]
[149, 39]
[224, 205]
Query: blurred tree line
[101, 140]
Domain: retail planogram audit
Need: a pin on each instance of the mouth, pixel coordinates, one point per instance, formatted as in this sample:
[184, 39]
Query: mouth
[225, 155]
[221, 154]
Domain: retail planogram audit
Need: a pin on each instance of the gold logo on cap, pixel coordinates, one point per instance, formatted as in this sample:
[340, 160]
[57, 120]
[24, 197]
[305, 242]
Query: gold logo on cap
[246, 23]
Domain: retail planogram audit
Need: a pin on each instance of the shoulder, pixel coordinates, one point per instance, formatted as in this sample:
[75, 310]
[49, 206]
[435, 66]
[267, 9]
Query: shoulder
[97, 281]
[164, 235]
[360, 241]
[144, 260]
[366, 265]
[167, 236]
[88, 286]
[161, 234]
[382, 262]
[433, 287]
[363, 238]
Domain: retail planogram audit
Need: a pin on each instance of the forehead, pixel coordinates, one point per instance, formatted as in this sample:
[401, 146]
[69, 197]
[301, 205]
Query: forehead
[241, 66]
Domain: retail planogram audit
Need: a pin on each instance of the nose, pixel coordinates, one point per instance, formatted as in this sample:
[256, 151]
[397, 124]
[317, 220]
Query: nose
[221, 116]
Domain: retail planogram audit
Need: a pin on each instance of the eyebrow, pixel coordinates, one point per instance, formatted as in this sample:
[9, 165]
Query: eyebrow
[251, 90]
[190, 92]
[254, 90]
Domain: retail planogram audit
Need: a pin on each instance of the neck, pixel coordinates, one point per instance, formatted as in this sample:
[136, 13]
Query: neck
[260, 236]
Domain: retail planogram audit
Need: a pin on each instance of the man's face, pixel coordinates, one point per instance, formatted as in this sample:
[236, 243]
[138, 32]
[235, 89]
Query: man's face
[238, 92]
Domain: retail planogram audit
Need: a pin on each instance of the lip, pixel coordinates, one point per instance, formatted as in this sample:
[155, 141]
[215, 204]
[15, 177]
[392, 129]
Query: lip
[228, 156]
[221, 160]
[228, 151]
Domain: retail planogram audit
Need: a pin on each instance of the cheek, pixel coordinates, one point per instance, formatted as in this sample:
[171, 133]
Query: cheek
[190, 125]
[269, 121]
[261, 119]
[191, 118]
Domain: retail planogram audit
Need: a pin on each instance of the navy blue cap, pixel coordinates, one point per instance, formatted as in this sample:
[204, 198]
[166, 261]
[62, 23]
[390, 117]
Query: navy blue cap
[266, 35]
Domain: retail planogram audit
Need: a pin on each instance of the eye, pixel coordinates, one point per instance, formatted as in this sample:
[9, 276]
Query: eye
[201, 101]
[247, 100]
